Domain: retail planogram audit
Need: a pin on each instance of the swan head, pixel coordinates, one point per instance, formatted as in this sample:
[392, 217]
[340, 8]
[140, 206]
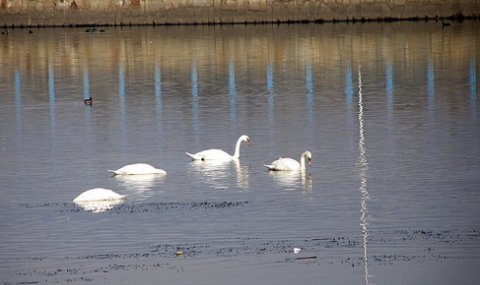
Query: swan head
[246, 139]
[308, 156]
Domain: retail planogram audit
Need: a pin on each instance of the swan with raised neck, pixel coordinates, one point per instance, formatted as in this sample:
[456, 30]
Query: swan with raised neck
[218, 154]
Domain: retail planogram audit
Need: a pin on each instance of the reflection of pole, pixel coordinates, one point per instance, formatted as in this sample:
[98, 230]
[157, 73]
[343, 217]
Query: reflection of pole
[309, 99]
[231, 95]
[362, 168]
[389, 88]
[86, 95]
[51, 96]
[158, 102]
[194, 80]
[86, 82]
[18, 104]
[271, 102]
[473, 90]
[121, 98]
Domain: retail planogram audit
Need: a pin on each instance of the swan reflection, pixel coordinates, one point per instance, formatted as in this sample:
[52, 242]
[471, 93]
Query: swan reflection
[217, 173]
[293, 179]
[139, 183]
[98, 206]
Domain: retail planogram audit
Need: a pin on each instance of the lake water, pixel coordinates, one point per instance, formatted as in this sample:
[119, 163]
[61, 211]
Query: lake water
[390, 112]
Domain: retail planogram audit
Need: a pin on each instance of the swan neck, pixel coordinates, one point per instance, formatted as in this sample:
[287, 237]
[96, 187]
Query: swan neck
[302, 162]
[237, 149]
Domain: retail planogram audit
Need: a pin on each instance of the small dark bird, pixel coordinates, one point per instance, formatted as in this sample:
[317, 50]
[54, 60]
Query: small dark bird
[30, 31]
[445, 24]
[5, 32]
[88, 101]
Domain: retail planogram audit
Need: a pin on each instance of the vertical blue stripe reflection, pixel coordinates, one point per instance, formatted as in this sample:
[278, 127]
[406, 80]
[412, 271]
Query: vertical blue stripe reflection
[158, 103]
[231, 97]
[271, 102]
[51, 100]
[309, 100]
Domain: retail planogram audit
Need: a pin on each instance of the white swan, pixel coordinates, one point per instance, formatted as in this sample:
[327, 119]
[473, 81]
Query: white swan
[138, 169]
[98, 194]
[218, 154]
[290, 164]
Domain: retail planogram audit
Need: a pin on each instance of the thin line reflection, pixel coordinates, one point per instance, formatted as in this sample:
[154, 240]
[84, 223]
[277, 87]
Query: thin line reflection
[121, 99]
[18, 104]
[51, 100]
[231, 95]
[158, 102]
[195, 100]
[362, 167]
[309, 99]
[473, 89]
[271, 103]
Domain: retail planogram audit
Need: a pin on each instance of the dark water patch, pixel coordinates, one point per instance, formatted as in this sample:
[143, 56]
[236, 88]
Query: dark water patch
[133, 208]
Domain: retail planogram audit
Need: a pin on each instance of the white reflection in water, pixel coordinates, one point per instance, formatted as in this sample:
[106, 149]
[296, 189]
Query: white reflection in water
[98, 206]
[139, 184]
[217, 173]
[362, 168]
[292, 179]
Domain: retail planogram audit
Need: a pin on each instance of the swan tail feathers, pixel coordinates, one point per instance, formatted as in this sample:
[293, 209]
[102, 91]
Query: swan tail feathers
[194, 157]
[115, 172]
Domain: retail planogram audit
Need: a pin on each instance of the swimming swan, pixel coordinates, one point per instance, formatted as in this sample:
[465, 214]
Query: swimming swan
[138, 169]
[98, 194]
[212, 154]
[290, 164]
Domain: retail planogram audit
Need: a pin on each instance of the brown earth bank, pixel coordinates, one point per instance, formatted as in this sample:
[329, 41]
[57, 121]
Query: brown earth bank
[52, 13]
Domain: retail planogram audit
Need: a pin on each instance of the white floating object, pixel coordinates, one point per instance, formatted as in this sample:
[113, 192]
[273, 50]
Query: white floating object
[99, 206]
[285, 164]
[218, 154]
[138, 169]
[296, 250]
[98, 194]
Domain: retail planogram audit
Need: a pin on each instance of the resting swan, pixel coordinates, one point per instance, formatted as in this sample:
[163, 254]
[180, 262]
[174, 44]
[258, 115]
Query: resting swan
[98, 194]
[138, 169]
[291, 164]
[212, 154]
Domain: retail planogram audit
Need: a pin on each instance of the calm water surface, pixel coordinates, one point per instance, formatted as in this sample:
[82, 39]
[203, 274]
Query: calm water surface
[389, 111]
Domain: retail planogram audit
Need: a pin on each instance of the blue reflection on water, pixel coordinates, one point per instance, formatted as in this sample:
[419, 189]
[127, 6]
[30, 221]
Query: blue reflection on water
[121, 98]
[309, 99]
[231, 95]
[473, 89]
[51, 96]
[389, 89]
[271, 102]
[431, 88]
[158, 102]
[18, 103]
[86, 95]
[86, 82]
[195, 100]
[349, 92]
